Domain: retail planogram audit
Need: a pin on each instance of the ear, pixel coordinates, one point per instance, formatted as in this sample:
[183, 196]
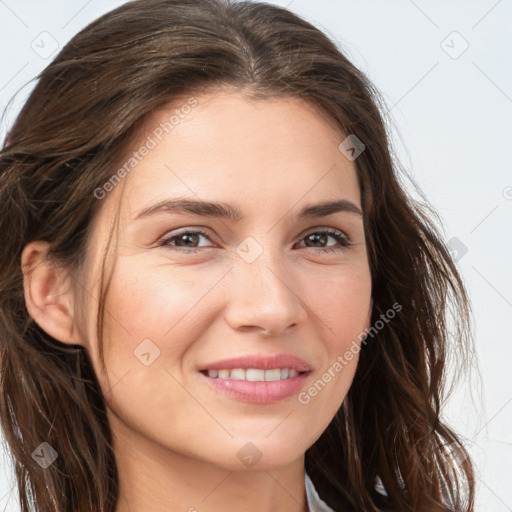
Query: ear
[49, 296]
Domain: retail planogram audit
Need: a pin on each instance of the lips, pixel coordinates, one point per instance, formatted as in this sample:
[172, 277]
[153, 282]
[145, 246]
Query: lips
[230, 377]
[253, 374]
[260, 362]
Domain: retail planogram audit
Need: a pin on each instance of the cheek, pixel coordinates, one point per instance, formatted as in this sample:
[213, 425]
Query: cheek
[342, 302]
[152, 318]
[341, 299]
[156, 303]
[172, 305]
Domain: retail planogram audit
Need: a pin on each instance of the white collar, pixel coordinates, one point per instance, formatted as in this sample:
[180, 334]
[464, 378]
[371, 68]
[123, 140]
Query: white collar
[315, 503]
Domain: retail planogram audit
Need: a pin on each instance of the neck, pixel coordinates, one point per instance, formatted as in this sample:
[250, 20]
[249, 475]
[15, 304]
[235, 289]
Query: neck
[153, 478]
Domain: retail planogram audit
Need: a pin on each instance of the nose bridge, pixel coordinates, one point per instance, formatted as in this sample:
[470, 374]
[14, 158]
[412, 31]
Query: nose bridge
[262, 289]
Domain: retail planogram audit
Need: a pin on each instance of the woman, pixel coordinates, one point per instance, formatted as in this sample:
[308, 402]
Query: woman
[256, 369]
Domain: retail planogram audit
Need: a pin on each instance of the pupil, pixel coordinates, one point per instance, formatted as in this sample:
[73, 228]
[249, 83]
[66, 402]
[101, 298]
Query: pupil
[188, 237]
[315, 236]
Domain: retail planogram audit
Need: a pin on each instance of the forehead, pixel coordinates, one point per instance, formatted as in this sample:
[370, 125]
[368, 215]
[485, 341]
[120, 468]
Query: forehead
[226, 147]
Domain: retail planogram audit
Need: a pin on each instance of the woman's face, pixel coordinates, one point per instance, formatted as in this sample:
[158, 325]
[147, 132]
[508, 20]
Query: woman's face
[192, 290]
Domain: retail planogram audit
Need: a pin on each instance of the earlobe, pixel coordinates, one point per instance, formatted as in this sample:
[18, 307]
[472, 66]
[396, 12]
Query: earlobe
[48, 293]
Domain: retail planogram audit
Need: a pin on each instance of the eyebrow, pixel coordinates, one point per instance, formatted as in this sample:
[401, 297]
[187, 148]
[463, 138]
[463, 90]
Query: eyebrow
[229, 212]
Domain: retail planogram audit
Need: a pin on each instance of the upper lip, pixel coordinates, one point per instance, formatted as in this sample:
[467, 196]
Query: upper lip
[261, 362]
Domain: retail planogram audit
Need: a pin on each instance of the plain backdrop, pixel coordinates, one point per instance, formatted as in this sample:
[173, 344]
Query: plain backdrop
[444, 70]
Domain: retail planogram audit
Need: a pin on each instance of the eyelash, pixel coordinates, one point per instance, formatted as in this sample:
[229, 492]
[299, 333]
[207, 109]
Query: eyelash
[344, 240]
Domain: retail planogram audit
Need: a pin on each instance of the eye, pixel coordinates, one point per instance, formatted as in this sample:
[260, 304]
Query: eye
[187, 241]
[187, 238]
[343, 239]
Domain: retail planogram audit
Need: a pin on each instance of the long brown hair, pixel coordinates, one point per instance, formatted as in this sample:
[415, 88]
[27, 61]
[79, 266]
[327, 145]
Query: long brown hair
[65, 143]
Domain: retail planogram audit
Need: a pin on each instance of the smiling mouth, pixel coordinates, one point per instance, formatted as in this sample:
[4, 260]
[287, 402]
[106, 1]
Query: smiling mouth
[254, 374]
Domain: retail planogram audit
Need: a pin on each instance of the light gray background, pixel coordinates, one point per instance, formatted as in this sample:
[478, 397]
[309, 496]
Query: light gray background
[452, 115]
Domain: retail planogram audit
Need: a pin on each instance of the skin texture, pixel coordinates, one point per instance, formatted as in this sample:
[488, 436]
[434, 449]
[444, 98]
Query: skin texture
[176, 438]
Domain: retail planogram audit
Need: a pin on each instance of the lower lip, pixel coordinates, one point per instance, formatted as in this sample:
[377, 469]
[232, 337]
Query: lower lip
[259, 392]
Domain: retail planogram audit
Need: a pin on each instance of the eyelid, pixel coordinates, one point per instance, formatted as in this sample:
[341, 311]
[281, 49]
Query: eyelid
[345, 242]
[206, 231]
[325, 228]
[181, 231]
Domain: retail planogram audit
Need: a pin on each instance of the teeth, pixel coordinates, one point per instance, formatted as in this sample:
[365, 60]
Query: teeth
[237, 374]
[254, 374]
[273, 374]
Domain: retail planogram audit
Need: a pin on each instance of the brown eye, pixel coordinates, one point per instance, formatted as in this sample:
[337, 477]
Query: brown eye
[187, 241]
[183, 240]
[320, 237]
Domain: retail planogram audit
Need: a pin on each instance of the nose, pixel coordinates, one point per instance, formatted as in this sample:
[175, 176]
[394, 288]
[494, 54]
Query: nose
[264, 296]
